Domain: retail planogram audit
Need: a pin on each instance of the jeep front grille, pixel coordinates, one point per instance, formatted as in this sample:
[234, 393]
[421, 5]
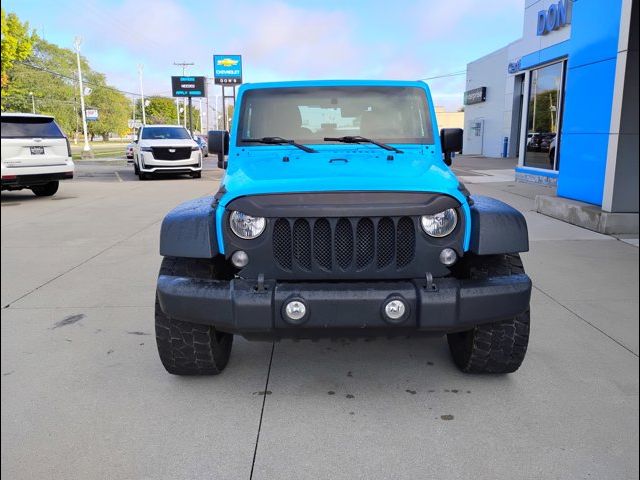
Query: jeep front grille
[344, 244]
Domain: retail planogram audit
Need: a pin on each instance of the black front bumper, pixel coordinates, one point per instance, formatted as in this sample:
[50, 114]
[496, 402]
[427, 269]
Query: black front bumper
[342, 308]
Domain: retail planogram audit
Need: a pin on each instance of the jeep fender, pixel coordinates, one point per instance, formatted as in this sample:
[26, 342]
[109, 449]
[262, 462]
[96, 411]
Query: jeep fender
[189, 230]
[496, 228]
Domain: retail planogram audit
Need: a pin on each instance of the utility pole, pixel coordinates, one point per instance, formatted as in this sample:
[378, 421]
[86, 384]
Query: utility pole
[184, 65]
[178, 110]
[144, 113]
[33, 103]
[86, 150]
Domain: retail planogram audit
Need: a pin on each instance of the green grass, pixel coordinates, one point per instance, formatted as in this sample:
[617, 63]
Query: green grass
[100, 150]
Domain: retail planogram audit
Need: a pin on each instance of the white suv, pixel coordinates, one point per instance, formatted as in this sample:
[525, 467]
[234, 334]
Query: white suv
[166, 149]
[35, 153]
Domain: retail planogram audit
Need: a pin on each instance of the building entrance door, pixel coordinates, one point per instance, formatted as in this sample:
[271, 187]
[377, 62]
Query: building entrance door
[544, 116]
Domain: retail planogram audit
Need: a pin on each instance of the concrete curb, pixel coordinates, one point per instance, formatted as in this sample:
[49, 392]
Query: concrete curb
[586, 215]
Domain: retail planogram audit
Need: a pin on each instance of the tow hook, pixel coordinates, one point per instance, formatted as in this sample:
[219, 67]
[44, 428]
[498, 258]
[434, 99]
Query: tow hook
[428, 284]
[260, 288]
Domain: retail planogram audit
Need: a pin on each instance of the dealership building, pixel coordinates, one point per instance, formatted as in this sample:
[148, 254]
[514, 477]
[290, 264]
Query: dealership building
[563, 100]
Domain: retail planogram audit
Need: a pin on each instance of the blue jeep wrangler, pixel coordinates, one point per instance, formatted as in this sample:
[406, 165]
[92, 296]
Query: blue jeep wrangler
[339, 216]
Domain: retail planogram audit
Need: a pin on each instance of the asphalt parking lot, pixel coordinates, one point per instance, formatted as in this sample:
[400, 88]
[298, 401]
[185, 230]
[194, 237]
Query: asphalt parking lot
[84, 394]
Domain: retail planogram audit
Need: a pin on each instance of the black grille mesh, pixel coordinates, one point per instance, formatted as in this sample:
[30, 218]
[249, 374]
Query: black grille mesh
[406, 244]
[166, 153]
[345, 244]
[386, 242]
[302, 243]
[365, 243]
[282, 243]
[322, 243]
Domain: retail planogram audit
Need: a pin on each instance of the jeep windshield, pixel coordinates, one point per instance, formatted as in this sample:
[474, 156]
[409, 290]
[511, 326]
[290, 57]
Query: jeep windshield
[165, 133]
[308, 115]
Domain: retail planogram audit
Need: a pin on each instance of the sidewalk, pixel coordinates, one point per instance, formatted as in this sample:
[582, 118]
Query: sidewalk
[498, 174]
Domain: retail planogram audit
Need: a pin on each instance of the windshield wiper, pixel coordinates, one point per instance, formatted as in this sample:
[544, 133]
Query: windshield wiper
[279, 141]
[359, 139]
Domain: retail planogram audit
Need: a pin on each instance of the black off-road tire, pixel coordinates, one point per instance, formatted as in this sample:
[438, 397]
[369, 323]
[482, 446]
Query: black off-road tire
[136, 170]
[498, 347]
[46, 190]
[196, 174]
[187, 348]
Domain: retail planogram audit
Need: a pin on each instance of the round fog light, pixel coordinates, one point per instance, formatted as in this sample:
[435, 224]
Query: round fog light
[448, 256]
[240, 258]
[395, 309]
[295, 310]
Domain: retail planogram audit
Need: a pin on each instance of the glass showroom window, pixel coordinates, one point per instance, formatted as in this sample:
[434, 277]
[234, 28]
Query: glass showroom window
[544, 117]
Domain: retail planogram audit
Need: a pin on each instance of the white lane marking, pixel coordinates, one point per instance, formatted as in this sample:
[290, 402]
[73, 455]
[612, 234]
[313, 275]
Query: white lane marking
[118, 176]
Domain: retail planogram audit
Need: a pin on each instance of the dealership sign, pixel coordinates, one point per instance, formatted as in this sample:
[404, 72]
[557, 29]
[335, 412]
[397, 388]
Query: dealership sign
[227, 69]
[556, 16]
[91, 114]
[514, 66]
[188, 86]
[477, 95]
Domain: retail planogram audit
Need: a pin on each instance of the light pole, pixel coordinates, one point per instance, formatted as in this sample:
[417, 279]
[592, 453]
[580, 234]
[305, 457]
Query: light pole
[144, 113]
[86, 150]
[33, 103]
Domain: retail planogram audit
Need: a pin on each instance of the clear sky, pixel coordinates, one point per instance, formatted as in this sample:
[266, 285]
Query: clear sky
[280, 39]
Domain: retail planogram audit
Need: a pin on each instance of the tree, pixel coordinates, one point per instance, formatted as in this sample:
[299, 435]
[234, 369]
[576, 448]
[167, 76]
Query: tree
[50, 74]
[113, 111]
[161, 110]
[17, 43]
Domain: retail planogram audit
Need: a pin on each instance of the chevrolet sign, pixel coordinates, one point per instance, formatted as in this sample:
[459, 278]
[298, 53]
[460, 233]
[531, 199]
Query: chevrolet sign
[227, 69]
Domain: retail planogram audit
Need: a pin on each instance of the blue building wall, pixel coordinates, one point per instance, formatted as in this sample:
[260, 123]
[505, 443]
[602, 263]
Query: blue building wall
[591, 67]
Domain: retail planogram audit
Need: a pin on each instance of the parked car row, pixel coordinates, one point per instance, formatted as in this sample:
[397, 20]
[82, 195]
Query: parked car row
[36, 154]
[540, 142]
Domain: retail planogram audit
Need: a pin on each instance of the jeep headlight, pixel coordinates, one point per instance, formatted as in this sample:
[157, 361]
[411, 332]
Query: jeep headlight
[440, 224]
[245, 226]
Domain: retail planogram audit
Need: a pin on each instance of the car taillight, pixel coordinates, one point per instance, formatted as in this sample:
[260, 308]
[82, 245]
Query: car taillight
[68, 146]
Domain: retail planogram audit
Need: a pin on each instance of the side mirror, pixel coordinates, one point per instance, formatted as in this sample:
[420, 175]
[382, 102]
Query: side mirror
[218, 141]
[451, 141]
